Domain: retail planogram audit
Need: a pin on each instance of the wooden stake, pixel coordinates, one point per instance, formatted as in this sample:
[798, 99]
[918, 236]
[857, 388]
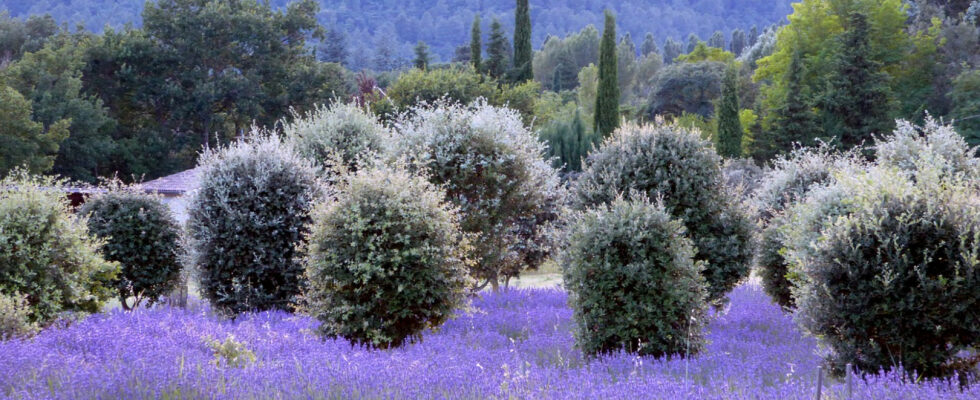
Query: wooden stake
[819, 381]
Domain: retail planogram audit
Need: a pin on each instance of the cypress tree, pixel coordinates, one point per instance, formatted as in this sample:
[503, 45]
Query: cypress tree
[607, 94]
[856, 103]
[738, 42]
[522, 43]
[753, 36]
[729, 127]
[692, 42]
[672, 49]
[421, 55]
[496, 63]
[476, 47]
[717, 40]
[794, 121]
[649, 45]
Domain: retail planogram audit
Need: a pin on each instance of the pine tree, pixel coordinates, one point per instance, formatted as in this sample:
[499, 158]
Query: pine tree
[692, 42]
[607, 95]
[672, 49]
[717, 40]
[496, 63]
[729, 127]
[738, 42]
[476, 45]
[649, 45]
[855, 106]
[421, 55]
[333, 48]
[794, 121]
[565, 76]
[522, 43]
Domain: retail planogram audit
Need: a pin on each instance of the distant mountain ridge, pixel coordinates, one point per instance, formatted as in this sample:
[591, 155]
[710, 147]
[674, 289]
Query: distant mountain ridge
[445, 24]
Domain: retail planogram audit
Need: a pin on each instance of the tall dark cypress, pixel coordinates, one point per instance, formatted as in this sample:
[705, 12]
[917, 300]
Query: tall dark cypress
[496, 63]
[856, 103]
[421, 55]
[522, 43]
[476, 45]
[607, 94]
[729, 127]
[794, 121]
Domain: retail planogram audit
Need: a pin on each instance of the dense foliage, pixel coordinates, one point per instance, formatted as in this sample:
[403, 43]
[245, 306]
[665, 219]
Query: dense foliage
[247, 218]
[633, 283]
[369, 25]
[673, 164]
[46, 253]
[342, 135]
[491, 167]
[140, 234]
[883, 259]
[15, 317]
[386, 260]
[895, 281]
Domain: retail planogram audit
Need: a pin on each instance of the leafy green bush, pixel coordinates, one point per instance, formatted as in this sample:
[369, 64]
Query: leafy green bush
[386, 260]
[245, 221]
[46, 253]
[633, 282]
[340, 133]
[142, 236]
[911, 147]
[789, 180]
[673, 164]
[15, 317]
[492, 168]
[895, 280]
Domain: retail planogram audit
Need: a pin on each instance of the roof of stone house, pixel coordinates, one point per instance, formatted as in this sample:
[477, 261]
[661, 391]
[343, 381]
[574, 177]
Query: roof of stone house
[174, 185]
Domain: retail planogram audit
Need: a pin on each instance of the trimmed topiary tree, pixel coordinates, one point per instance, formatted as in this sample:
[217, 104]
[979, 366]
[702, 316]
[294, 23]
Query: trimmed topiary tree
[895, 281]
[140, 234]
[633, 282]
[342, 135]
[789, 180]
[493, 170]
[247, 218]
[386, 260]
[46, 253]
[673, 164]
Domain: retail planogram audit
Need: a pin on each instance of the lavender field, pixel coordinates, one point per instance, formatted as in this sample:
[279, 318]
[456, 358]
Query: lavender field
[515, 344]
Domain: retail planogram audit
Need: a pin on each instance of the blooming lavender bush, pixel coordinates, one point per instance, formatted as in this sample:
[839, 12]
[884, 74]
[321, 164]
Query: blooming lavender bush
[493, 170]
[673, 164]
[142, 236]
[46, 253]
[633, 282]
[515, 344]
[246, 220]
[386, 259]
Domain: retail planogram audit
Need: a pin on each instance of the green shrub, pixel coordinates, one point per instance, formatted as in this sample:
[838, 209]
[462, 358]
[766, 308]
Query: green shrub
[673, 164]
[230, 353]
[386, 260]
[492, 168]
[787, 182]
[911, 147]
[245, 221]
[896, 279]
[15, 317]
[46, 253]
[141, 235]
[459, 85]
[633, 282]
[339, 133]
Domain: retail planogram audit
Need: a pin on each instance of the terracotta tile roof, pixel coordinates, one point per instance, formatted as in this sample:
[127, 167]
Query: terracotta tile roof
[176, 184]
